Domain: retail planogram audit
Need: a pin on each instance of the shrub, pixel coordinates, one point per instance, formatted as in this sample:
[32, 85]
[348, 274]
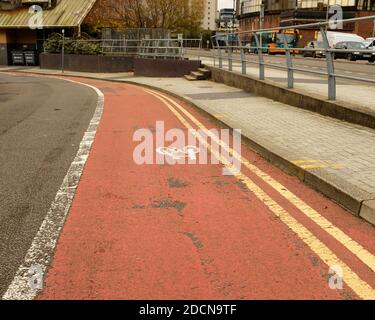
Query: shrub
[71, 46]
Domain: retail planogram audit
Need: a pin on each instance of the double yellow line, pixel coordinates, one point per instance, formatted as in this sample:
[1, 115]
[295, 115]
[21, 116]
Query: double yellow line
[359, 286]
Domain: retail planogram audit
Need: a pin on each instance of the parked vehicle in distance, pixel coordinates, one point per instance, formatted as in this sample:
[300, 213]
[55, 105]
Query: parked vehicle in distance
[351, 53]
[252, 46]
[336, 37]
[277, 41]
[313, 49]
[370, 43]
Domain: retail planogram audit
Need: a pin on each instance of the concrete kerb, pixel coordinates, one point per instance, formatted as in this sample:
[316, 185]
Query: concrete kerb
[368, 211]
[359, 207]
[341, 111]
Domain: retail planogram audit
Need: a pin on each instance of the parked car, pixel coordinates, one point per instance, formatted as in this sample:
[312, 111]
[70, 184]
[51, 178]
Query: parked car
[311, 50]
[351, 53]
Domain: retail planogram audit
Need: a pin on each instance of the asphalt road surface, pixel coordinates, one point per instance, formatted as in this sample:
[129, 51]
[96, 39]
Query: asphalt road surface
[360, 69]
[42, 122]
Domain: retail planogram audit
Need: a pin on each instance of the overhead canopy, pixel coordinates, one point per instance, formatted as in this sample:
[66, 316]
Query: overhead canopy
[67, 13]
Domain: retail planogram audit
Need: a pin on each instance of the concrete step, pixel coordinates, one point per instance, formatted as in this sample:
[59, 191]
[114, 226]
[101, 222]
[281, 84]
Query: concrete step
[206, 72]
[190, 78]
[198, 75]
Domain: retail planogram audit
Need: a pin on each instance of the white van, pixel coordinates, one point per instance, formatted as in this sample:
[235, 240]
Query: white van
[336, 37]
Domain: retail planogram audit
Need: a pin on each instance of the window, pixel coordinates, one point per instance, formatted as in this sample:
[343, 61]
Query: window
[249, 6]
[314, 3]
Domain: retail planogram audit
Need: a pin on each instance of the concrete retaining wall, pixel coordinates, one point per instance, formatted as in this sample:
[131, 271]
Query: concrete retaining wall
[164, 68]
[87, 63]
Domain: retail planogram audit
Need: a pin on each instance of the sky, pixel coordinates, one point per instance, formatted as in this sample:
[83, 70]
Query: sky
[225, 4]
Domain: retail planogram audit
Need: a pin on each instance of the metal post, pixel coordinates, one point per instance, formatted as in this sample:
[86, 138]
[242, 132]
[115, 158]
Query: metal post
[219, 52]
[261, 22]
[234, 15]
[166, 50]
[230, 61]
[289, 63]
[63, 51]
[181, 43]
[330, 66]
[260, 56]
[158, 49]
[243, 57]
[213, 51]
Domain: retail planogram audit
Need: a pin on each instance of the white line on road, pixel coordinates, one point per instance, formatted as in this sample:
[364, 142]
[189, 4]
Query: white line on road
[42, 248]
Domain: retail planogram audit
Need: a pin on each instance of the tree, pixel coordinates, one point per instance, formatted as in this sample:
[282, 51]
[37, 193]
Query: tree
[176, 15]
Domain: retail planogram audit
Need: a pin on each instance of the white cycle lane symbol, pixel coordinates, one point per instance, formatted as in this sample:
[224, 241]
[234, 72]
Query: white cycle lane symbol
[179, 153]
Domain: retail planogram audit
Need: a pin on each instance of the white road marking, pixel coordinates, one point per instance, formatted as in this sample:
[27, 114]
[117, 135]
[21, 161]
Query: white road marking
[43, 245]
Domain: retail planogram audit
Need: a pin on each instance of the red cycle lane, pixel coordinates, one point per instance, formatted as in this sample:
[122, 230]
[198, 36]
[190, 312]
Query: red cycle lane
[186, 231]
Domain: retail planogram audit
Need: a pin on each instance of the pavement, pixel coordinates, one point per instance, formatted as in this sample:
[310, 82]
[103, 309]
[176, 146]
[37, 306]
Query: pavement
[186, 231]
[332, 156]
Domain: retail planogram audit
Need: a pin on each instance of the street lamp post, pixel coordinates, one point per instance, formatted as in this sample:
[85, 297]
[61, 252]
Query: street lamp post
[63, 50]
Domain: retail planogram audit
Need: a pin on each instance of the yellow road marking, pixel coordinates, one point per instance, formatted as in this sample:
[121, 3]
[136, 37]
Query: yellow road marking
[313, 166]
[360, 287]
[317, 164]
[360, 252]
[219, 115]
[305, 161]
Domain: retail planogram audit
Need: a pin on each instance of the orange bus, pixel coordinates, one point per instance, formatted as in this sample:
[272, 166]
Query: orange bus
[276, 44]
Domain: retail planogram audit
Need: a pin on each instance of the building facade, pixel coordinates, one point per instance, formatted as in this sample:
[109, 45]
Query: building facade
[22, 28]
[210, 14]
[296, 12]
[227, 19]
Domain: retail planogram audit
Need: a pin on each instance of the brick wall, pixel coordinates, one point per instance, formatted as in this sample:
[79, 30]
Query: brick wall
[364, 28]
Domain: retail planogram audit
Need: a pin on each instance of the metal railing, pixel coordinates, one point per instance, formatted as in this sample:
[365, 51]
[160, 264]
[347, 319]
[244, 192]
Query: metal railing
[169, 48]
[233, 47]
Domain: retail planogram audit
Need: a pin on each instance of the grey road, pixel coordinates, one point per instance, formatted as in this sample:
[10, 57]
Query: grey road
[359, 69]
[42, 122]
